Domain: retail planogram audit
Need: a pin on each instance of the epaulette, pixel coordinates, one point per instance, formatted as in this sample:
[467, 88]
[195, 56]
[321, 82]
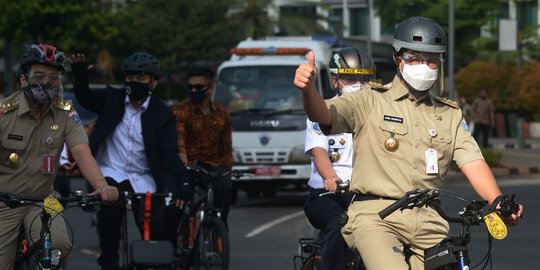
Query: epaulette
[379, 86]
[64, 105]
[446, 101]
[9, 105]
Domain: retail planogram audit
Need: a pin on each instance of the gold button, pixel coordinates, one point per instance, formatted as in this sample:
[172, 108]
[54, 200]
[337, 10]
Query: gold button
[391, 144]
[14, 159]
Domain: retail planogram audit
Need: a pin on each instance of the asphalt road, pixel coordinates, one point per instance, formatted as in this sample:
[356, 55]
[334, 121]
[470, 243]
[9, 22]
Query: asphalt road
[264, 232]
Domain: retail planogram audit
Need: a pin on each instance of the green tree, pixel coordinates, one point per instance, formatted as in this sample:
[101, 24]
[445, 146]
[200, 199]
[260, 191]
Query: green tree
[470, 16]
[69, 25]
[178, 33]
[494, 78]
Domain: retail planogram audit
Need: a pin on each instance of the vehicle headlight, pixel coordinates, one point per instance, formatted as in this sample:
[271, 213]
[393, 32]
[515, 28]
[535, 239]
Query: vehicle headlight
[298, 156]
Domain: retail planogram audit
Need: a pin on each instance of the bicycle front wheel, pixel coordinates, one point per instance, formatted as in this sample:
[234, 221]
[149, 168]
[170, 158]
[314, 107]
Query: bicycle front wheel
[212, 247]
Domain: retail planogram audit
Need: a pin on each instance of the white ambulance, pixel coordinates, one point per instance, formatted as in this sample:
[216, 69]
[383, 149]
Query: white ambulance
[256, 85]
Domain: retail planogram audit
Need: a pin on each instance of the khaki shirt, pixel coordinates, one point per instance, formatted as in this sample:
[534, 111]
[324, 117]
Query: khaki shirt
[24, 142]
[375, 115]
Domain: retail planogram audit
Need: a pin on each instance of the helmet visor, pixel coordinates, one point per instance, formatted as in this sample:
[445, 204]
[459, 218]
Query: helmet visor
[353, 75]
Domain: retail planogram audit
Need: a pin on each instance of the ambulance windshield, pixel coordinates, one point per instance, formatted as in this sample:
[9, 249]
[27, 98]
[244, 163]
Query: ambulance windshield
[258, 88]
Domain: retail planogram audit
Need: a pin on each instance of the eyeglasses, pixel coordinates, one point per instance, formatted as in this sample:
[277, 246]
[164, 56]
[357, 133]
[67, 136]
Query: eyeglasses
[197, 87]
[138, 77]
[416, 59]
[40, 77]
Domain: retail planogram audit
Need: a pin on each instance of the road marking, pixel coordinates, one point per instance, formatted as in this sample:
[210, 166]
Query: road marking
[273, 223]
[90, 252]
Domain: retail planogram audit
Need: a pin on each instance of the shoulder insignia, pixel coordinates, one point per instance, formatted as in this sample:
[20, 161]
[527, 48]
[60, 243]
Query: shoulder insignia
[9, 105]
[64, 105]
[446, 101]
[379, 86]
[316, 128]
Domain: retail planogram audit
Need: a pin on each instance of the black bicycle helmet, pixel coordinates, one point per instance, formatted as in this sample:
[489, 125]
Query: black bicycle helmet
[351, 61]
[419, 34]
[141, 62]
[42, 54]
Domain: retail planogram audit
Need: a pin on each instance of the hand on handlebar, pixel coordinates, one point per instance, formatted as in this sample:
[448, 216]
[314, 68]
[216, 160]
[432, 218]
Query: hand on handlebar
[510, 211]
[331, 183]
[185, 192]
[108, 194]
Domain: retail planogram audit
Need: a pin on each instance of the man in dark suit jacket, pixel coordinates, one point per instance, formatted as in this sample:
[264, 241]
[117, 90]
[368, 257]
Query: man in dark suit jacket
[134, 142]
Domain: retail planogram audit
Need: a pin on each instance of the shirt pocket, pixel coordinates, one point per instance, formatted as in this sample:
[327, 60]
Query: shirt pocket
[443, 144]
[12, 148]
[399, 132]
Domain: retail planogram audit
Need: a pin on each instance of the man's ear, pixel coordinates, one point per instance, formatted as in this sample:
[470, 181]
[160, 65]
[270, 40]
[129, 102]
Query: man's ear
[22, 80]
[153, 84]
[335, 82]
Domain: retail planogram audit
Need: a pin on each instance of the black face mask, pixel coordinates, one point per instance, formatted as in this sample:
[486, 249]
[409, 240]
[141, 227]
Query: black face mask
[137, 90]
[197, 96]
[43, 93]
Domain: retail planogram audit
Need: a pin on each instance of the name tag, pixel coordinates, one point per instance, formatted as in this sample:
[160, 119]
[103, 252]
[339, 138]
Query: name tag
[49, 164]
[432, 165]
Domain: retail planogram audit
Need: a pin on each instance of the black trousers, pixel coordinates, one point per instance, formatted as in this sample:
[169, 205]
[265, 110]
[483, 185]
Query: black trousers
[481, 134]
[324, 214]
[110, 219]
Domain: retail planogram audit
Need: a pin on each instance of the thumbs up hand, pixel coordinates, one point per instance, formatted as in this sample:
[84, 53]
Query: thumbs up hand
[306, 74]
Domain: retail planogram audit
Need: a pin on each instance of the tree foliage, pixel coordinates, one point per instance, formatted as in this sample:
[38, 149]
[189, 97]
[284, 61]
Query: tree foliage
[525, 85]
[69, 25]
[494, 78]
[176, 32]
[470, 16]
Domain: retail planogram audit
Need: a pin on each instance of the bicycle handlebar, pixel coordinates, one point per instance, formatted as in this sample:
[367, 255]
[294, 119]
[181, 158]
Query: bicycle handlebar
[14, 200]
[429, 197]
[403, 202]
[233, 173]
[342, 188]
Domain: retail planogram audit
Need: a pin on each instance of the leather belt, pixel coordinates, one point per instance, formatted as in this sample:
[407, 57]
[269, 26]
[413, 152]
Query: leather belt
[367, 197]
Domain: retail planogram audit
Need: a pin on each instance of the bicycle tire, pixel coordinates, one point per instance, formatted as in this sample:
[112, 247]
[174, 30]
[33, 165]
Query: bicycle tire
[212, 246]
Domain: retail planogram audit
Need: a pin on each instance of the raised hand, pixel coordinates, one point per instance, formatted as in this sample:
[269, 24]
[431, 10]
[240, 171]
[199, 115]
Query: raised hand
[79, 58]
[306, 74]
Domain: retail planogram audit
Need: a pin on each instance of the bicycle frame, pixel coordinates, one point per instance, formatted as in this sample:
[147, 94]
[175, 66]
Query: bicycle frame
[142, 251]
[202, 235]
[48, 258]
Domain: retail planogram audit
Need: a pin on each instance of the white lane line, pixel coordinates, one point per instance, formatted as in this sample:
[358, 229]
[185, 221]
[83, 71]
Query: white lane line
[273, 223]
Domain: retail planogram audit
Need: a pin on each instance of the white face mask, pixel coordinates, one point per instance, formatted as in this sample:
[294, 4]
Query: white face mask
[420, 77]
[347, 89]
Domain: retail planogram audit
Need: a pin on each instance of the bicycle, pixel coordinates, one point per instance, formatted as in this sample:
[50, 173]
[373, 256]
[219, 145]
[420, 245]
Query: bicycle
[452, 252]
[309, 256]
[40, 254]
[203, 238]
[145, 253]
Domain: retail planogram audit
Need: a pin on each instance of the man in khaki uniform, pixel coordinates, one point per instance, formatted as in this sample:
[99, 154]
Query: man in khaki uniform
[404, 139]
[34, 124]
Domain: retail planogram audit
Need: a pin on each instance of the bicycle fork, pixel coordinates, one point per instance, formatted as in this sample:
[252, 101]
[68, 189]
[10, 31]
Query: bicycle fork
[48, 258]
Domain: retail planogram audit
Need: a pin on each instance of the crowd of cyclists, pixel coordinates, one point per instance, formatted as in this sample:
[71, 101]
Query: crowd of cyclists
[385, 140]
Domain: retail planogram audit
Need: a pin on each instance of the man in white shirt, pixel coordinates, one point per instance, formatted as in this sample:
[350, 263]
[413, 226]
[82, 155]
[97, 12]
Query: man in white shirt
[332, 159]
[134, 141]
